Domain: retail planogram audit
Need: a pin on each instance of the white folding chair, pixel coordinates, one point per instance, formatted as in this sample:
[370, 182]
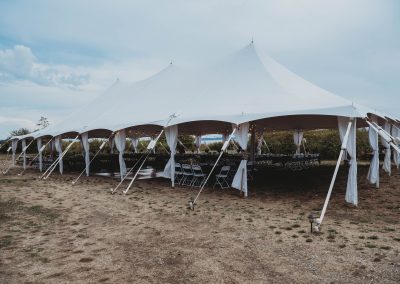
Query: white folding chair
[198, 176]
[187, 174]
[222, 178]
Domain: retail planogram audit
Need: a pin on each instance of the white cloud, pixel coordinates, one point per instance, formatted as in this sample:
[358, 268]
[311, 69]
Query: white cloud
[19, 64]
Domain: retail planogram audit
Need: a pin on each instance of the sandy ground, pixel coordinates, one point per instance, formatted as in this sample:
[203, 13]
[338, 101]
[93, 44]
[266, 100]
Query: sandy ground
[53, 232]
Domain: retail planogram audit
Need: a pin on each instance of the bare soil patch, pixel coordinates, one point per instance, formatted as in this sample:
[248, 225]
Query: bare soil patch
[51, 231]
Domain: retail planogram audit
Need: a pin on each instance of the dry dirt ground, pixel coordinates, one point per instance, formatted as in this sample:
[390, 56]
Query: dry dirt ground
[53, 232]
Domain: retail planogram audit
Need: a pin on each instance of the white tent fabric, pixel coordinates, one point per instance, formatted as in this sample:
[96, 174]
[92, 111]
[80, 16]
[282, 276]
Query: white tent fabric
[135, 143]
[351, 189]
[396, 156]
[240, 178]
[266, 84]
[373, 172]
[23, 145]
[171, 135]
[40, 154]
[111, 142]
[198, 143]
[14, 144]
[58, 146]
[387, 163]
[119, 139]
[298, 138]
[86, 148]
[260, 143]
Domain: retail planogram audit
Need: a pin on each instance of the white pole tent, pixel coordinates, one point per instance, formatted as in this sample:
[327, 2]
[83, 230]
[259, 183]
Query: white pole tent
[245, 88]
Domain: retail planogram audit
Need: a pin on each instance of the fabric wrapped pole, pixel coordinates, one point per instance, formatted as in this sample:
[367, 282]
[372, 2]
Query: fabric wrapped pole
[297, 139]
[119, 139]
[373, 172]
[135, 143]
[14, 144]
[198, 143]
[240, 178]
[23, 145]
[40, 154]
[53, 146]
[260, 143]
[111, 142]
[86, 148]
[396, 156]
[387, 163]
[58, 146]
[171, 135]
[351, 189]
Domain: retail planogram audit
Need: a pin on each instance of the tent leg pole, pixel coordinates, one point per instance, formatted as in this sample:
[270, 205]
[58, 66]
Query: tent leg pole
[54, 165]
[342, 151]
[119, 184]
[21, 173]
[192, 201]
[136, 174]
[95, 155]
[19, 156]
[149, 151]
[253, 144]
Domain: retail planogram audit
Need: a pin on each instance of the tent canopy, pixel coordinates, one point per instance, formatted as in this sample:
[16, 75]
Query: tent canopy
[243, 87]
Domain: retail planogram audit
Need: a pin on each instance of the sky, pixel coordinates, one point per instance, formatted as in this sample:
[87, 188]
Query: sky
[56, 56]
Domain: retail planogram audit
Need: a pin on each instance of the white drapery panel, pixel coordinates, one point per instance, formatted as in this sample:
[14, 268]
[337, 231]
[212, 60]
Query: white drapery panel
[171, 135]
[198, 143]
[40, 154]
[387, 163]
[135, 143]
[242, 135]
[14, 144]
[297, 139]
[53, 145]
[111, 142]
[86, 148]
[396, 155]
[373, 172]
[58, 146]
[119, 140]
[240, 178]
[260, 143]
[23, 145]
[351, 189]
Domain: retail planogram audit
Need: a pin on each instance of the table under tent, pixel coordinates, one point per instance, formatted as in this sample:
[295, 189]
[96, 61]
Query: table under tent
[245, 93]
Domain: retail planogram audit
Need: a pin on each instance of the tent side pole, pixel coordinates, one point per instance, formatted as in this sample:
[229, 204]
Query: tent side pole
[252, 144]
[342, 151]
[95, 155]
[226, 144]
[151, 148]
[57, 161]
[385, 135]
[20, 154]
[37, 155]
[128, 173]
